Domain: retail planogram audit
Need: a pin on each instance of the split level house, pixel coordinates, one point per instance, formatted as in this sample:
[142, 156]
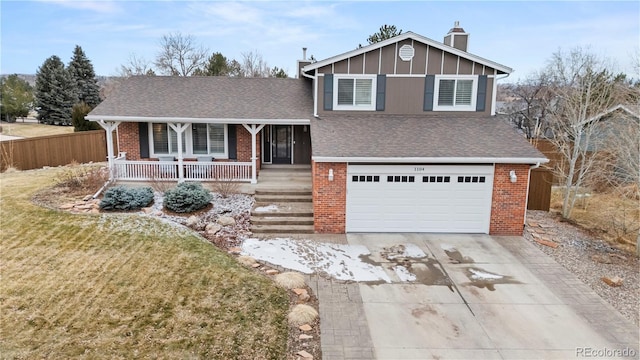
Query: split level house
[400, 136]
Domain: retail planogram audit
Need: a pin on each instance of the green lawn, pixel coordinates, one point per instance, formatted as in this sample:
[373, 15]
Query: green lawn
[29, 130]
[124, 286]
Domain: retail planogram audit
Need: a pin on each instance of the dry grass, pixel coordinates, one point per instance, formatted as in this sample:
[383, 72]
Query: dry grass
[29, 130]
[302, 314]
[290, 280]
[124, 286]
[612, 216]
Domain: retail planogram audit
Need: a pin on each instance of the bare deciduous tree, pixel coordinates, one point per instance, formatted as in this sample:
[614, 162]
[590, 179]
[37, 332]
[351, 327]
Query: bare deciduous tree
[581, 87]
[253, 65]
[528, 112]
[179, 55]
[136, 66]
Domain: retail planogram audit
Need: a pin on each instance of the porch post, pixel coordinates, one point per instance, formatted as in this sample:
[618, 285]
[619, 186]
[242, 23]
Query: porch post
[179, 129]
[109, 127]
[254, 129]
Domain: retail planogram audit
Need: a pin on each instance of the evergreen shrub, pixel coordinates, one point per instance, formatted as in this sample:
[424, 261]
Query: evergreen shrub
[187, 197]
[126, 198]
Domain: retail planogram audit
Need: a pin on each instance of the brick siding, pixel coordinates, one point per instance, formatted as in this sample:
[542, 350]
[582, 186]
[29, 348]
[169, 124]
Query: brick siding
[509, 200]
[329, 197]
[243, 137]
[128, 140]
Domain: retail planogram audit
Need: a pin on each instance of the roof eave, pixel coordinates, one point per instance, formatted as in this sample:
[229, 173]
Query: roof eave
[434, 160]
[402, 37]
[156, 119]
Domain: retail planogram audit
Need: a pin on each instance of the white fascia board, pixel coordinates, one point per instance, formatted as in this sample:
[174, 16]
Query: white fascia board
[432, 160]
[197, 120]
[404, 36]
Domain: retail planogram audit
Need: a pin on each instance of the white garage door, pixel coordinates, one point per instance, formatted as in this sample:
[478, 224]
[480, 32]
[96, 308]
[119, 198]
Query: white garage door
[419, 198]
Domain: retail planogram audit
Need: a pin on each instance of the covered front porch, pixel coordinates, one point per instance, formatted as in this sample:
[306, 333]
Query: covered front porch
[182, 162]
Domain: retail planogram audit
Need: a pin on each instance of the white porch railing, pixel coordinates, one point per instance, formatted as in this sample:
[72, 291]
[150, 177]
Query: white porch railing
[193, 170]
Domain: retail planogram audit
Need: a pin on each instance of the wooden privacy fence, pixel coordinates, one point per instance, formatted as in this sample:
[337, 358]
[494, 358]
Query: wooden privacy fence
[540, 189]
[54, 150]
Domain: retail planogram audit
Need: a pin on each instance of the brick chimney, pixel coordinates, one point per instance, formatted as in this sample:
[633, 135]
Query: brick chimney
[302, 63]
[457, 37]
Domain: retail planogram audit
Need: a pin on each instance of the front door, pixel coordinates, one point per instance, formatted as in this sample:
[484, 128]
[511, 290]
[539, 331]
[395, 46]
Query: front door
[301, 144]
[281, 144]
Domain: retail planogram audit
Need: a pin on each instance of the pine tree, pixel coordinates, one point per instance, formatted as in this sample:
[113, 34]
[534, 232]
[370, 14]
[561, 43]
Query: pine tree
[84, 76]
[55, 92]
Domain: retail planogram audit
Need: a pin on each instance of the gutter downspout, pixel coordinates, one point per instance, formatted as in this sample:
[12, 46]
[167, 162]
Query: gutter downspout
[526, 203]
[315, 90]
[495, 92]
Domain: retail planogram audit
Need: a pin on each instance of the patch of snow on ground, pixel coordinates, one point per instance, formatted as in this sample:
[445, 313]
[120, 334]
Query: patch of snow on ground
[267, 208]
[403, 273]
[481, 275]
[413, 251]
[339, 261]
[447, 247]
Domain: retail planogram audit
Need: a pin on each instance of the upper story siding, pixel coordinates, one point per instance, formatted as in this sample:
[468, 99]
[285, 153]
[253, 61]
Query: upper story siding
[405, 83]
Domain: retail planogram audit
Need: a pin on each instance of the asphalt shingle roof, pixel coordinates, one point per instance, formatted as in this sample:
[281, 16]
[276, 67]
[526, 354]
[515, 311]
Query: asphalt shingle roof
[396, 136]
[209, 97]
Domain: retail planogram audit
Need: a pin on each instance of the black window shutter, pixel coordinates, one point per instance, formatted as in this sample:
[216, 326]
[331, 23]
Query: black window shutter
[232, 141]
[429, 83]
[482, 93]
[143, 136]
[380, 92]
[328, 91]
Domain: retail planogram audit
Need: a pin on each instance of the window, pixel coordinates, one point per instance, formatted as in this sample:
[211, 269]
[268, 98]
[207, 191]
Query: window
[354, 92]
[165, 140]
[197, 139]
[455, 93]
[365, 178]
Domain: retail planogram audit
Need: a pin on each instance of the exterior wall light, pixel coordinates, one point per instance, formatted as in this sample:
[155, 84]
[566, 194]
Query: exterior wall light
[513, 176]
[330, 174]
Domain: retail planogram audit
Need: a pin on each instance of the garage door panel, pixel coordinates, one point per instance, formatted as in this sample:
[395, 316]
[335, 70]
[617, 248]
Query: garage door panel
[428, 204]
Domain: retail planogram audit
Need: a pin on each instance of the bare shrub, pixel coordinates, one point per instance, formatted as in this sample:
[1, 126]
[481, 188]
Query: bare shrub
[7, 160]
[290, 280]
[160, 185]
[82, 177]
[225, 187]
[302, 314]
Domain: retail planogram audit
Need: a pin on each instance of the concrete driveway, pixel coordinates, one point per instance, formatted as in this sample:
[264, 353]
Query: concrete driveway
[474, 297]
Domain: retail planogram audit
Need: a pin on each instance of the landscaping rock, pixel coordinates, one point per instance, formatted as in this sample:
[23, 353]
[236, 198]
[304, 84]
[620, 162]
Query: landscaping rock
[614, 281]
[305, 355]
[602, 259]
[272, 272]
[212, 228]
[226, 221]
[299, 291]
[305, 337]
[67, 206]
[192, 221]
[87, 198]
[305, 327]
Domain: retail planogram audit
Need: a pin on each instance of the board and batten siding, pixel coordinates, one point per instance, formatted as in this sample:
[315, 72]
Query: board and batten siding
[405, 80]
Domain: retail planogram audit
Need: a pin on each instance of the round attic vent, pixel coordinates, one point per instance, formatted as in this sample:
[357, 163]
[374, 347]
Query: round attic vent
[406, 52]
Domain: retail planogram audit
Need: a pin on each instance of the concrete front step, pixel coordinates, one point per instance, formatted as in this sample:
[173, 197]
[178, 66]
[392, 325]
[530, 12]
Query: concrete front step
[279, 229]
[277, 192]
[282, 198]
[285, 221]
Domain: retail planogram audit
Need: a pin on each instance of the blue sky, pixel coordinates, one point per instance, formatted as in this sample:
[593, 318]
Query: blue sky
[521, 35]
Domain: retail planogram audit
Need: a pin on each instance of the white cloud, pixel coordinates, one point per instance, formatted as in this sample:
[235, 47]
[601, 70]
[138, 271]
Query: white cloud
[96, 6]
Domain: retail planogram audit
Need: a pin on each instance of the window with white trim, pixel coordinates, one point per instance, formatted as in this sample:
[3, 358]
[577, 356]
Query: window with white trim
[455, 93]
[354, 92]
[197, 139]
